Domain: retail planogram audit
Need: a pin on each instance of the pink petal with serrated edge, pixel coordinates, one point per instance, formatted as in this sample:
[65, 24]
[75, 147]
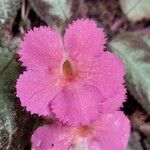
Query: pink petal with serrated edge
[77, 104]
[114, 103]
[41, 48]
[99, 84]
[106, 72]
[83, 39]
[36, 90]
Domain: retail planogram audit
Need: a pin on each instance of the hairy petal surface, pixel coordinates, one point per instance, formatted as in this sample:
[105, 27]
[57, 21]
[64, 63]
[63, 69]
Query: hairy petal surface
[115, 102]
[84, 39]
[41, 49]
[106, 72]
[36, 89]
[77, 104]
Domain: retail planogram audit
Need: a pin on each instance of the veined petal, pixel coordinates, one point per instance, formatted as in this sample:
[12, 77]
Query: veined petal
[83, 39]
[36, 89]
[41, 49]
[77, 104]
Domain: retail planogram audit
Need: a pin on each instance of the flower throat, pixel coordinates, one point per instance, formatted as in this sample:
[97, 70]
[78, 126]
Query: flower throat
[67, 70]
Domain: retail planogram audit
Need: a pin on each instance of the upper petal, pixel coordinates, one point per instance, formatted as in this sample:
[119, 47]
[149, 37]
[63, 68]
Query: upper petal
[36, 90]
[84, 39]
[77, 104]
[112, 132]
[41, 49]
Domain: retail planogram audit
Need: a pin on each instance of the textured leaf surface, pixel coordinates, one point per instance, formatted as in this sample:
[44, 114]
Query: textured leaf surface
[9, 70]
[16, 124]
[8, 9]
[135, 53]
[8, 74]
[53, 12]
[136, 10]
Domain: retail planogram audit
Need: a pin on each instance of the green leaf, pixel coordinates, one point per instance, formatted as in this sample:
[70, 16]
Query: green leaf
[136, 10]
[8, 74]
[9, 71]
[16, 125]
[135, 53]
[53, 12]
[8, 9]
[9, 67]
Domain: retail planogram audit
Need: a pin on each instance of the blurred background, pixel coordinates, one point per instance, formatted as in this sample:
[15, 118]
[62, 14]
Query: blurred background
[127, 24]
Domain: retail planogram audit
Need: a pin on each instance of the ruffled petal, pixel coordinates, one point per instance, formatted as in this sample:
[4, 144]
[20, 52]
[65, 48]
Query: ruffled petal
[56, 137]
[111, 132]
[84, 39]
[106, 72]
[77, 104]
[115, 102]
[36, 90]
[42, 48]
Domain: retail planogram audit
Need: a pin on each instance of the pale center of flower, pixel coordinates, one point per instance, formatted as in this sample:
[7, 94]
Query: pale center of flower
[67, 70]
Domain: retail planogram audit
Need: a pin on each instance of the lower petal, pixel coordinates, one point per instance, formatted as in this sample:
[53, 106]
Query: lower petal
[77, 105]
[112, 131]
[36, 90]
[109, 132]
[56, 137]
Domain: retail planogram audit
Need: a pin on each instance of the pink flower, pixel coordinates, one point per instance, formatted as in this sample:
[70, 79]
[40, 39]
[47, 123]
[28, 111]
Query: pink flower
[109, 132]
[74, 77]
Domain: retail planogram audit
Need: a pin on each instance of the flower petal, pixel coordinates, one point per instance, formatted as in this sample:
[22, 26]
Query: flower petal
[84, 39]
[56, 137]
[106, 72]
[77, 105]
[111, 132]
[115, 102]
[41, 48]
[36, 90]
